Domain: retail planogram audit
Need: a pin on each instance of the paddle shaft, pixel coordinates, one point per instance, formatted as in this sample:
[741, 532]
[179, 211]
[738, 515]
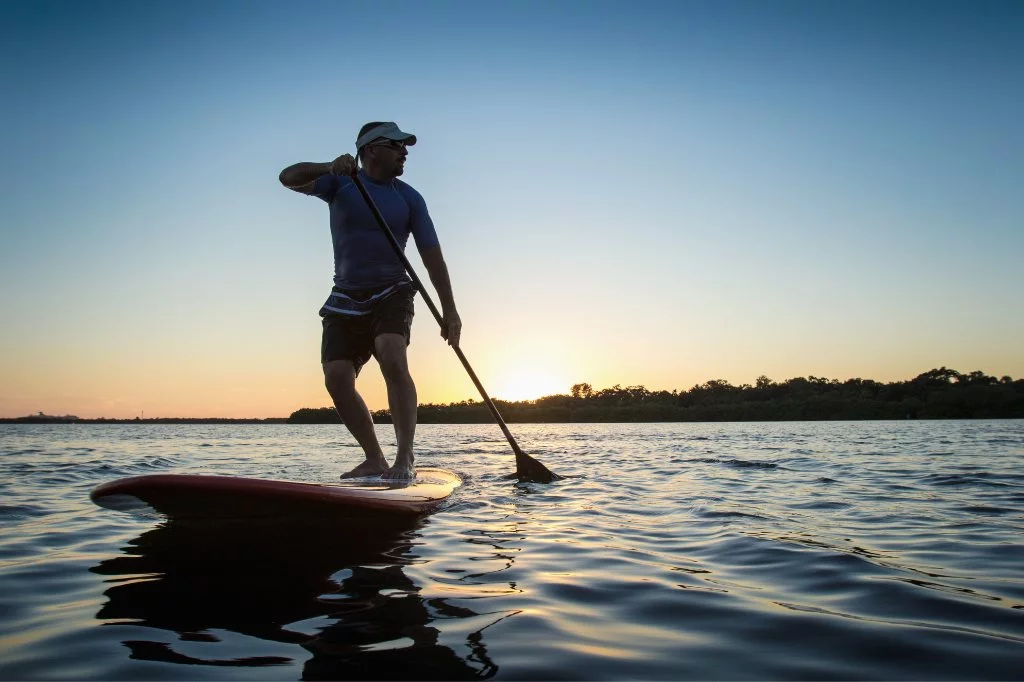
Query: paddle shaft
[437, 316]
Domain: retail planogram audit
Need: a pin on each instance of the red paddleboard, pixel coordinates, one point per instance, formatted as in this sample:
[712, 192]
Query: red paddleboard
[196, 496]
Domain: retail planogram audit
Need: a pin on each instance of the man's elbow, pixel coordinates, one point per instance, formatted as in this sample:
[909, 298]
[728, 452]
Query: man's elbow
[432, 256]
[289, 182]
[294, 176]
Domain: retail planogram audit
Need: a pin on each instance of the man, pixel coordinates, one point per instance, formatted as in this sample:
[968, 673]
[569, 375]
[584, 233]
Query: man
[370, 309]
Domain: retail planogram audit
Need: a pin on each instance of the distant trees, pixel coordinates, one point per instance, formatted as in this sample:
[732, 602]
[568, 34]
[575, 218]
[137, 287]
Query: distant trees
[936, 394]
[315, 415]
[583, 391]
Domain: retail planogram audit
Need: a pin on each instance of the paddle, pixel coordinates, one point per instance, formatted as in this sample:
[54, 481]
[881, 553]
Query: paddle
[527, 468]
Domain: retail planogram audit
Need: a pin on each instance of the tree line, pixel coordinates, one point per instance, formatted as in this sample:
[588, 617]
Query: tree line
[936, 394]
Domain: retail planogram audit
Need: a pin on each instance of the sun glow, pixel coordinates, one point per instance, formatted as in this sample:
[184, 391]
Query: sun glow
[529, 383]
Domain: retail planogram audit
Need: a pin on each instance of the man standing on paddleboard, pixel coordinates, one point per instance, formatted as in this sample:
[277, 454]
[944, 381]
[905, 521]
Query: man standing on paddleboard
[370, 309]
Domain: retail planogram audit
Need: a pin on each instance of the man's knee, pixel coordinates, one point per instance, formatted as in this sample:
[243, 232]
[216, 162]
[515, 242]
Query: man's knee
[392, 356]
[339, 376]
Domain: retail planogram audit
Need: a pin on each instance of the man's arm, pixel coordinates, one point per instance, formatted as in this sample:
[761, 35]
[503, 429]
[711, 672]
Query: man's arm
[433, 260]
[301, 176]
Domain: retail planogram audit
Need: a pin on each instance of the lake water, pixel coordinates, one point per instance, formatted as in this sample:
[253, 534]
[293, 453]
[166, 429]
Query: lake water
[826, 550]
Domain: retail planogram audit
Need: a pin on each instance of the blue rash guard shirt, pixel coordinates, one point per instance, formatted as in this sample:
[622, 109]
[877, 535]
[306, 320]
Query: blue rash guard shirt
[363, 256]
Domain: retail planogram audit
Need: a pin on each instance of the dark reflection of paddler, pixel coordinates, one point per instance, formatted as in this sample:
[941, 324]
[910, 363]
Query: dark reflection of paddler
[256, 579]
[386, 633]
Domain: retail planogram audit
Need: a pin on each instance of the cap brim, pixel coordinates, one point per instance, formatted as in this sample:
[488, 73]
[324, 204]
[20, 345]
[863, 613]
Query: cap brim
[387, 131]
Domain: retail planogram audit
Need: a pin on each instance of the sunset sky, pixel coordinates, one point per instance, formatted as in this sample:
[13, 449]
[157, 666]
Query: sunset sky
[626, 193]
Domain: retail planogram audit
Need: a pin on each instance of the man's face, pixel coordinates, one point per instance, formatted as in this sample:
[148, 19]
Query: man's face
[390, 155]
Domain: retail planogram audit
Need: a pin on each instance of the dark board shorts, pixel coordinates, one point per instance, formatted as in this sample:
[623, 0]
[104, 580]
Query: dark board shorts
[350, 337]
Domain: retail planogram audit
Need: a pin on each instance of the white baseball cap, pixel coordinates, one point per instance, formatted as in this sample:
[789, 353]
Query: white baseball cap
[388, 130]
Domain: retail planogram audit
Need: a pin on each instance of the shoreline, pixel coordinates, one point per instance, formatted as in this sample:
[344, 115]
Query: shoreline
[285, 421]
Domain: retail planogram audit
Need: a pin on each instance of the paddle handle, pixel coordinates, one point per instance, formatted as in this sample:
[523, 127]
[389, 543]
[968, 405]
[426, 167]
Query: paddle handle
[437, 315]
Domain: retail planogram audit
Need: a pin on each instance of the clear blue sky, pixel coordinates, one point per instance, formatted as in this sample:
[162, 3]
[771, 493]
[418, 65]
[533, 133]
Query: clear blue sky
[634, 193]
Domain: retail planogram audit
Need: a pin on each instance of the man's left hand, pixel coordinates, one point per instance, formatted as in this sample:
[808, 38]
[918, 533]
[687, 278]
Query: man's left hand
[452, 328]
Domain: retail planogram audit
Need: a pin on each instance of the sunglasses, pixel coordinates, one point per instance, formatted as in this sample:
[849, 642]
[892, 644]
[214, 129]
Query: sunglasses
[392, 144]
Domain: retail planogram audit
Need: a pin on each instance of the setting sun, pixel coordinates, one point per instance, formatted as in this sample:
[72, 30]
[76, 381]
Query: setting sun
[529, 383]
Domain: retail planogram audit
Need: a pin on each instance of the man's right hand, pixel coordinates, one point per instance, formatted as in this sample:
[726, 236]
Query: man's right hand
[344, 165]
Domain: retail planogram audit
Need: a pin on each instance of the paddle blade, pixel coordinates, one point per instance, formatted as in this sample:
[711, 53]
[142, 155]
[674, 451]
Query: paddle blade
[530, 470]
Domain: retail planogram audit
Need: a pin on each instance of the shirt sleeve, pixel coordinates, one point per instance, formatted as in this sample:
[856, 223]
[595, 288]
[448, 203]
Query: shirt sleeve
[420, 224]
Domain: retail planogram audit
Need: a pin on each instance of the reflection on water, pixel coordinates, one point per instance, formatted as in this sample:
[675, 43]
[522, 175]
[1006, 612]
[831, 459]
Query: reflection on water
[340, 593]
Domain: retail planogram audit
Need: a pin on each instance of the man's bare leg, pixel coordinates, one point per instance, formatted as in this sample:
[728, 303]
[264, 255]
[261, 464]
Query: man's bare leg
[340, 377]
[394, 365]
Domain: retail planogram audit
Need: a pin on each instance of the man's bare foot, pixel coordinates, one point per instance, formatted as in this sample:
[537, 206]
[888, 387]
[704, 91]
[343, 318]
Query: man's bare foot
[368, 468]
[403, 470]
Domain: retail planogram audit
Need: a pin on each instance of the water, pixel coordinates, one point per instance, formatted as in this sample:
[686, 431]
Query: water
[855, 550]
